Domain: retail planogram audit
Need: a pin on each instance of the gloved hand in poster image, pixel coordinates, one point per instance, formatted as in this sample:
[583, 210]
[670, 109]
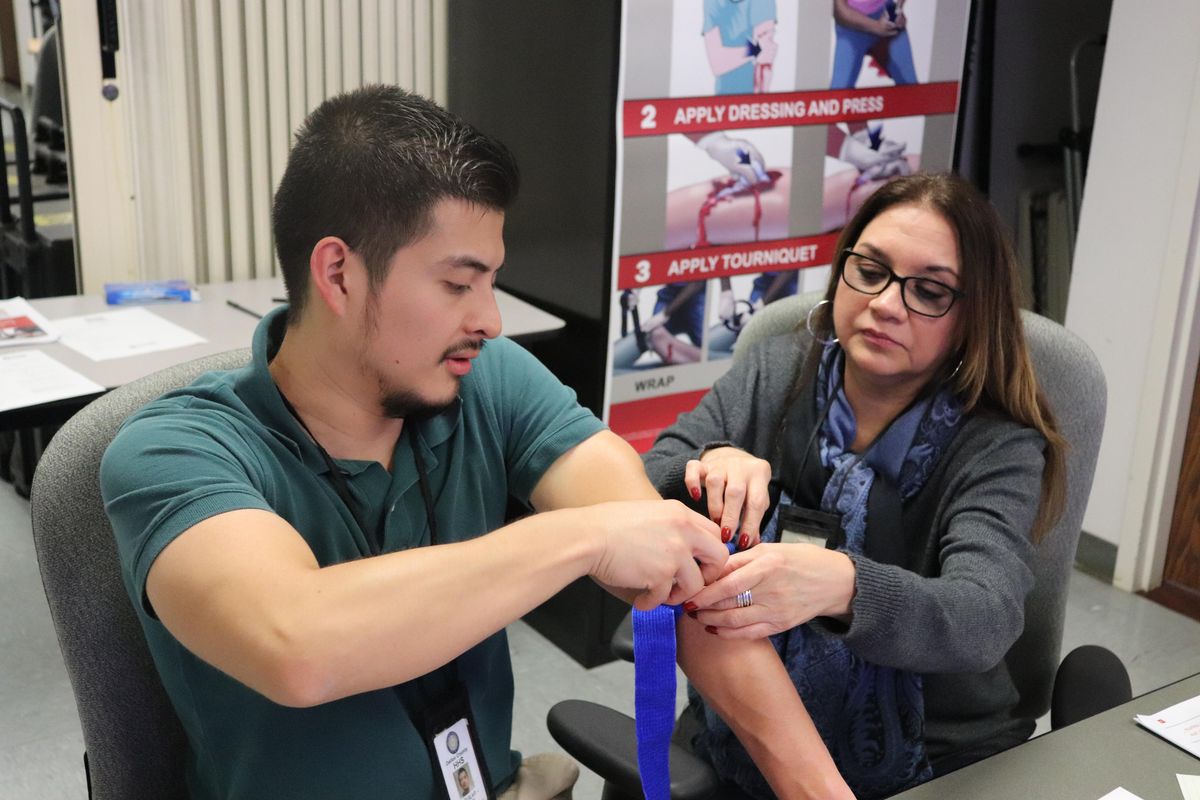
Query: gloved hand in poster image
[873, 155]
[739, 156]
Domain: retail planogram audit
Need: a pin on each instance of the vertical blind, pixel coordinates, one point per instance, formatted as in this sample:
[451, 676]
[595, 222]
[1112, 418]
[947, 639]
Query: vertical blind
[217, 90]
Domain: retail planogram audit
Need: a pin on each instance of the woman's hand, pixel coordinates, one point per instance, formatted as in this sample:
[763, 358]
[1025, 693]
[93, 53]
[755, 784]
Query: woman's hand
[737, 486]
[789, 585]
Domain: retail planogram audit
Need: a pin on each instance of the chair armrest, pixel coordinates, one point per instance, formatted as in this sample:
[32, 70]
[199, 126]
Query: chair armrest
[605, 741]
[622, 639]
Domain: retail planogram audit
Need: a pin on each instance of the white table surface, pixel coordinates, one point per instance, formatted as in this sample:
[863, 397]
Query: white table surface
[224, 327]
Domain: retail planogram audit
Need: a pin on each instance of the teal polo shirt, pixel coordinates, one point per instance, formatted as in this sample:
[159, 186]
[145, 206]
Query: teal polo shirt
[227, 442]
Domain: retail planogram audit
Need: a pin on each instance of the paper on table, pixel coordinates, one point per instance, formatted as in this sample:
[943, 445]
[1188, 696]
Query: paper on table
[20, 323]
[1189, 785]
[1179, 724]
[30, 377]
[1120, 793]
[117, 334]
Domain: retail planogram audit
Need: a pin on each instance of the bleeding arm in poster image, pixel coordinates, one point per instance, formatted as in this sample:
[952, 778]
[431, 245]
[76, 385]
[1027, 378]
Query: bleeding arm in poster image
[765, 713]
[761, 48]
[847, 17]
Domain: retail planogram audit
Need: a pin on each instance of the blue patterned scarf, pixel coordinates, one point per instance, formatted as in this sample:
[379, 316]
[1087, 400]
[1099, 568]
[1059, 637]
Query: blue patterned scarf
[871, 717]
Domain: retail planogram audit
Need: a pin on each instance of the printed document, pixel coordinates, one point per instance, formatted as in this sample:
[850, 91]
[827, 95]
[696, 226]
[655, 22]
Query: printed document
[117, 334]
[30, 378]
[20, 323]
[1179, 724]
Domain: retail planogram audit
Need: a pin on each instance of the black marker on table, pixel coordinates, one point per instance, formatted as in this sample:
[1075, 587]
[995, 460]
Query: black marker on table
[241, 307]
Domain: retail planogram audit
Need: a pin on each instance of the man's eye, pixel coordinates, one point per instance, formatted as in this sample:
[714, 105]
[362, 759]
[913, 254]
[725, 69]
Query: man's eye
[458, 288]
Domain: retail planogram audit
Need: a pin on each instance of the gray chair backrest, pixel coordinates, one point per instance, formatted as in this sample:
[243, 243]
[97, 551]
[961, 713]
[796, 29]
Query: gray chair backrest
[135, 743]
[1073, 382]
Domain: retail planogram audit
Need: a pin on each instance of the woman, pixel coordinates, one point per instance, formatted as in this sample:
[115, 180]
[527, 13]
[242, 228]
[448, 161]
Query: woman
[904, 441]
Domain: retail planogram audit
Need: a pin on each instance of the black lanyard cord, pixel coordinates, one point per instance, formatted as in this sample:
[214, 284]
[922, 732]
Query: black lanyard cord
[343, 490]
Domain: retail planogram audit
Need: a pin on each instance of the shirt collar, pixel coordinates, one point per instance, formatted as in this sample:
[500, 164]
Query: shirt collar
[268, 405]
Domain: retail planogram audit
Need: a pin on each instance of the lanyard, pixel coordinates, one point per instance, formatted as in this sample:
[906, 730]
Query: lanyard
[376, 538]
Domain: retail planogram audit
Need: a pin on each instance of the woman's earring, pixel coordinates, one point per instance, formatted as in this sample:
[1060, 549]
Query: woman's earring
[808, 324]
[952, 375]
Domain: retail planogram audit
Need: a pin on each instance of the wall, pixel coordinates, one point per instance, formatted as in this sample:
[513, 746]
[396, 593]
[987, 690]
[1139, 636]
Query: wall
[1134, 282]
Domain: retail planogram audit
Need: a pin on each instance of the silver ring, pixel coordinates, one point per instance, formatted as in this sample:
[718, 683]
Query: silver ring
[745, 599]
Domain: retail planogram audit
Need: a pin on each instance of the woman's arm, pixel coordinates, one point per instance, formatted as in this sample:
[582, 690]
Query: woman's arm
[962, 620]
[966, 618]
[747, 685]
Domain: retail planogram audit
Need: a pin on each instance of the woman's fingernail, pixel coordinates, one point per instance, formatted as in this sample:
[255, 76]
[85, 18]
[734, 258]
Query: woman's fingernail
[743, 541]
[695, 494]
[710, 629]
[726, 534]
[693, 615]
[690, 607]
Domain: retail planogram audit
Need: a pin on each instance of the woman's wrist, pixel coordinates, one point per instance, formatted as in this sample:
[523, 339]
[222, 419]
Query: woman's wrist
[843, 597]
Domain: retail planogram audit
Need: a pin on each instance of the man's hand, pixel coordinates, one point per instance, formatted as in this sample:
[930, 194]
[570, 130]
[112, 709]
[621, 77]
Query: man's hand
[658, 548]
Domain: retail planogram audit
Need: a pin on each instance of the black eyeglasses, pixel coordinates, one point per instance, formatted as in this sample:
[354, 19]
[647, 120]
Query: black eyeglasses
[923, 296]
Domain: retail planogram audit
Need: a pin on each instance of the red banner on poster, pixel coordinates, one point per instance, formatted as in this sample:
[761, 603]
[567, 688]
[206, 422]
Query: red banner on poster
[701, 263]
[697, 114]
[640, 421]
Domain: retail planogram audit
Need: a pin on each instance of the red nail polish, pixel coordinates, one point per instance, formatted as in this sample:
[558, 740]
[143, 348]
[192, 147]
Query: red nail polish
[726, 534]
[695, 494]
[693, 615]
[690, 607]
[743, 541]
[710, 629]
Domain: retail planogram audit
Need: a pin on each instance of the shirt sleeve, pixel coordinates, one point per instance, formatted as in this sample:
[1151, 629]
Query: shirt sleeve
[168, 469]
[538, 417]
[762, 11]
[966, 618]
[749, 396]
[712, 11]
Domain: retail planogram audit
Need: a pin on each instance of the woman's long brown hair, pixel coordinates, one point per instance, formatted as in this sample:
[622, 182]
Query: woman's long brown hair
[996, 373]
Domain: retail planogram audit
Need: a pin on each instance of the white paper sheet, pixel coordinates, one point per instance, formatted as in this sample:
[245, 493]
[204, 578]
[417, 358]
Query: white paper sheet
[1120, 793]
[1179, 724]
[30, 377]
[20, 323]
[117, 334]
[1189, 785]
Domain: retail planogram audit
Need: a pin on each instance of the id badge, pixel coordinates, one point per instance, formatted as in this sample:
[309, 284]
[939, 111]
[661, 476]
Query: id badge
[453, 743]
[809, 526]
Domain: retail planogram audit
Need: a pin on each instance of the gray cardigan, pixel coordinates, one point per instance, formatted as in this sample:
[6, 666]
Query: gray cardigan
[954, 614]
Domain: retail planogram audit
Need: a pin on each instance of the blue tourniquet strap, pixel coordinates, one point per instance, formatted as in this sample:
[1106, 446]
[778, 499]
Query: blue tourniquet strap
[654, 696]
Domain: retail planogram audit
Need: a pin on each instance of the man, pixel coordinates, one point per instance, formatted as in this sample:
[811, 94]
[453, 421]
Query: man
[303, 538]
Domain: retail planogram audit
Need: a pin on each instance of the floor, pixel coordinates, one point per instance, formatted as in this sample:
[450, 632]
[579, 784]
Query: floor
[41, 747]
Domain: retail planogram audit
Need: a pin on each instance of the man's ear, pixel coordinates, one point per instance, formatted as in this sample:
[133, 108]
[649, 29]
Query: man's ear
[335, 272]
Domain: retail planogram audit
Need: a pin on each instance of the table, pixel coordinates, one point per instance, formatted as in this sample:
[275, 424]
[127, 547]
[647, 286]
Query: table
[224, 328]
[1084, 761]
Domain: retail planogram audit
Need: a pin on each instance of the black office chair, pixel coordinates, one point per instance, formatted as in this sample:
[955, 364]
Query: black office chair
[1090, 679]
[1074, 384]
[135, 745]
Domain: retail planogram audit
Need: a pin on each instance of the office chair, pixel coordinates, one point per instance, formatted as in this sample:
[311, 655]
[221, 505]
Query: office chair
[134, 744]
[1074, 384]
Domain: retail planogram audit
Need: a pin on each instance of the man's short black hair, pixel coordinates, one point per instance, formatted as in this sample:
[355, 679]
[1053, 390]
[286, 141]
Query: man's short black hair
[368, 166]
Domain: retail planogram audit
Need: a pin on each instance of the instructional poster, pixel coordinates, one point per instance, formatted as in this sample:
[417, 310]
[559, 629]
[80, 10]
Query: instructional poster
[748, 132]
